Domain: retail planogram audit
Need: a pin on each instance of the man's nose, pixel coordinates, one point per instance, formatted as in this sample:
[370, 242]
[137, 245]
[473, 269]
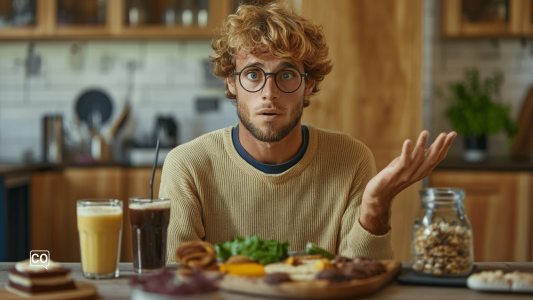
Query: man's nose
[270, 90]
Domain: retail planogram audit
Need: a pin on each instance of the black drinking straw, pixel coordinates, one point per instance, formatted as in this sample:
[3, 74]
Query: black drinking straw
[153, 171]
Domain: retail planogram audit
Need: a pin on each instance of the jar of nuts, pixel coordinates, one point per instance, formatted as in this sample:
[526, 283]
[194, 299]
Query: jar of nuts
[442, 236]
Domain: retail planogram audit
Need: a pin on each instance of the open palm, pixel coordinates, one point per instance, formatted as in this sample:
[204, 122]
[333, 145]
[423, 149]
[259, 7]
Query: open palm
[409, 167]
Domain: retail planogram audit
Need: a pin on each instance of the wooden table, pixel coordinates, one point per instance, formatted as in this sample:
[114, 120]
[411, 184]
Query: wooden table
[118, 288]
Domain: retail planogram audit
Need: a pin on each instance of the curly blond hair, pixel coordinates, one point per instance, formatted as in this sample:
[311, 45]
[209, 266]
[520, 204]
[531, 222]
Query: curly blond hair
[278, 27]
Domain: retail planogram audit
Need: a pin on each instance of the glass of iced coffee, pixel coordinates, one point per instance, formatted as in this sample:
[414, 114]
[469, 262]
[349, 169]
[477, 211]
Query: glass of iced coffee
[149, 225]
[100, 230]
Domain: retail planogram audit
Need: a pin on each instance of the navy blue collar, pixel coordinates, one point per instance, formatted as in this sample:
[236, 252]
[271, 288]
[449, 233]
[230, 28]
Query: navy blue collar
[266, 168]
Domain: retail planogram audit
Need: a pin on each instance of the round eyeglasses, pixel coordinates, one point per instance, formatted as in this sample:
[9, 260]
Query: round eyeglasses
[253, 79]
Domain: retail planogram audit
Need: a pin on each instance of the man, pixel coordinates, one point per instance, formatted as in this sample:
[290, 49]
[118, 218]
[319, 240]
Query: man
[270, 175]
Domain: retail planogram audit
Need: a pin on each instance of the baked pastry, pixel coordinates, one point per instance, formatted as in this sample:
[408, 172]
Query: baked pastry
[197, 255]
[489, 281]
[499, 281]
[36, 279]
[521, 281]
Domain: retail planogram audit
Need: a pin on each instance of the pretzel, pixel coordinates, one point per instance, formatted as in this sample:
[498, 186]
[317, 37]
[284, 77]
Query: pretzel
[197, 255]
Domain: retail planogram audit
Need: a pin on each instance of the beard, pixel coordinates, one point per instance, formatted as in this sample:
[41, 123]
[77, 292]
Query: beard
[271, 135]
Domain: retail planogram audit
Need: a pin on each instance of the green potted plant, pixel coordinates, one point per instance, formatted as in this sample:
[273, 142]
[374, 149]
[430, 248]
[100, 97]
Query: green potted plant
[474, 112]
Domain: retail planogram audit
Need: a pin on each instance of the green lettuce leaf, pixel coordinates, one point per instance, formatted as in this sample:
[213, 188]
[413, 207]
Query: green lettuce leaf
[263, 252]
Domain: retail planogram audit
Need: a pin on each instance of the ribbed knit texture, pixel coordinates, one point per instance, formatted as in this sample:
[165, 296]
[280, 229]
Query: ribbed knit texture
[217, 196]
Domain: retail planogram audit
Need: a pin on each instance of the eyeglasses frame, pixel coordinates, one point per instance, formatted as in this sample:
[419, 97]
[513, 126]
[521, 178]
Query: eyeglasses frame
[302, 75]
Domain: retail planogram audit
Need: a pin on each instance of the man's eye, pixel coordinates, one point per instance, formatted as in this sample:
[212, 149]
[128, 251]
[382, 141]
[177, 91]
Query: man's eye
[287, 76]
[252, 75]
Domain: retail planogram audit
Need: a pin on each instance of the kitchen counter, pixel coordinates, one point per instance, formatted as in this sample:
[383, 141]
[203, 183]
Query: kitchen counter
[13, 169]
[448, 164]
[491, 164]
[118, 288]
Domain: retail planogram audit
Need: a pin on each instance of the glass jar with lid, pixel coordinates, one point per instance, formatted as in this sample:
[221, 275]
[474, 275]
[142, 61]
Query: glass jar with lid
[441, 236]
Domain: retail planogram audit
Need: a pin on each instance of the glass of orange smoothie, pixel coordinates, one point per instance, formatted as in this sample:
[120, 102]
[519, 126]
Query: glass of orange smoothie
[100, 230]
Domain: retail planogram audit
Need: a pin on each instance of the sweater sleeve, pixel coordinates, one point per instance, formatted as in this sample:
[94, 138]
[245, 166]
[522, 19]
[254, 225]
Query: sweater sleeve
[354, 240]
[178, 185]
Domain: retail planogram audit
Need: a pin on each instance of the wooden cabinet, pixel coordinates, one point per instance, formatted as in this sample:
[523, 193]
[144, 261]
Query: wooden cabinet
[486, 18]
[527, 18]
[373, 91]
[60, 19]
[499, 206]
[53, 204]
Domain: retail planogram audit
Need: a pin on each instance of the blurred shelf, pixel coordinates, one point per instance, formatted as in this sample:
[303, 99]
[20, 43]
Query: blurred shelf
[486, 18]
[112, 19]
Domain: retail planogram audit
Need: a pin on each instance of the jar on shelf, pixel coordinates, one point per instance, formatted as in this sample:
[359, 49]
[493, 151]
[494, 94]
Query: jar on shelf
[441, 236]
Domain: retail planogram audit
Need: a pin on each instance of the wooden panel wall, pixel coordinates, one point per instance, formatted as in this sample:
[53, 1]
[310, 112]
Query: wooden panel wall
[498, 205]
[374, 92]
[53, 209]
[48, 214]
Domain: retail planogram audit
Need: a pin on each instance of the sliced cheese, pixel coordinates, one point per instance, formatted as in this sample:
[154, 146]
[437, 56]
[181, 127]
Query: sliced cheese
[244, 269]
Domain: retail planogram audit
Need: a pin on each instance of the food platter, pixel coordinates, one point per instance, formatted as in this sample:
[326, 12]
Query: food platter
[312, 289]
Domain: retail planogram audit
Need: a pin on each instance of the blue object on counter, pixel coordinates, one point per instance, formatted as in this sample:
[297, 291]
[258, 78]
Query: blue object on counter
[2, 220]
[14, 217]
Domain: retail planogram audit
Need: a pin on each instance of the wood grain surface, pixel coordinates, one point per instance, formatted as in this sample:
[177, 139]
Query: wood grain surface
[499, 207]
[119, 289]
[53, 210]
[374, 92]
[523, 141]
[83, 291]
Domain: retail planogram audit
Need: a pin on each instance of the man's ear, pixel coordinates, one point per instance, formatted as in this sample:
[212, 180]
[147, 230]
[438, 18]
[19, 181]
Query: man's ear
[309, 86]
[230, 81]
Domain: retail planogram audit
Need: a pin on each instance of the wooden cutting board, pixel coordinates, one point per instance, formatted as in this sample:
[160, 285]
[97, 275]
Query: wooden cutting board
[83, 291]
[312, 289]
[523, 141]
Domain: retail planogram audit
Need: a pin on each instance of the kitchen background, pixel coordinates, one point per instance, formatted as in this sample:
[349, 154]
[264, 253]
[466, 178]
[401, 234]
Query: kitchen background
[395, 52]
[170, 77]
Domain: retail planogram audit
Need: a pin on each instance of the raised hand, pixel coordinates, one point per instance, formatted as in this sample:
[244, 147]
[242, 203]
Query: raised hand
[410, 167]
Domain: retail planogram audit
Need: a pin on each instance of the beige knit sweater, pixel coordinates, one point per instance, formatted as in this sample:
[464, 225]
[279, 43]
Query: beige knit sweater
[217, 196]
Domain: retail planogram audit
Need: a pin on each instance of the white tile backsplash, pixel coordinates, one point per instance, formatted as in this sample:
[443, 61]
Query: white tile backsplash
[168, 78]
[451, 56]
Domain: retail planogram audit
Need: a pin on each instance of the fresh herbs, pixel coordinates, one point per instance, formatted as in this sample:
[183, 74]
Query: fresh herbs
[263, 252]
[314, 249]
[472, 108]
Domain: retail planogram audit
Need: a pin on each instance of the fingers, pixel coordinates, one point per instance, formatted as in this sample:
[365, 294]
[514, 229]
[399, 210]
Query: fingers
[447, 144]
[418, 154]
[435, 149]
[436, 152]
[405, 156]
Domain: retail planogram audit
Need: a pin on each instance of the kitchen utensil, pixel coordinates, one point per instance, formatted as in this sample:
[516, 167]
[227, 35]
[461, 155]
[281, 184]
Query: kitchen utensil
[523, 141]
[53, 139]
[119, 122]
[166, 130]
[94, 107]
